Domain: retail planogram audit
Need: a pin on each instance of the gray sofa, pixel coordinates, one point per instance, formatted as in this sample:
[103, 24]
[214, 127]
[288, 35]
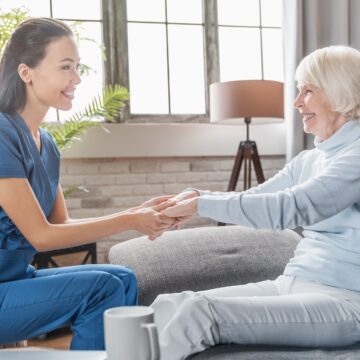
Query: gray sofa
[204, 258]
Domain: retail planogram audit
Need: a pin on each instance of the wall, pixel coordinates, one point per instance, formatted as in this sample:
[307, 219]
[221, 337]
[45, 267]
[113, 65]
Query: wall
[115, 184]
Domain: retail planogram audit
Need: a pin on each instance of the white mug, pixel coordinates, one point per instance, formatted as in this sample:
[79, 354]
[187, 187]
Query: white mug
[131, 334]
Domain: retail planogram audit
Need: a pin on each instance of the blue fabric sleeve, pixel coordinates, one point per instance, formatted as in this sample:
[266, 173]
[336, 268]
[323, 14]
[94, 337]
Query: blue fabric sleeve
[11, 159]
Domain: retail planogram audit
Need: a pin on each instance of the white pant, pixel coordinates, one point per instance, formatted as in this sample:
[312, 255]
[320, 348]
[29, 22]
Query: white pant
[286, 311]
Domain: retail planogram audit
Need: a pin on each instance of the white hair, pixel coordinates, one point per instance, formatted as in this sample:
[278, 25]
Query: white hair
[335, 70]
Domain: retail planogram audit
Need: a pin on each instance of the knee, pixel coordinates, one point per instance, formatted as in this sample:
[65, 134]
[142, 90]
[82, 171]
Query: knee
[167, 305]
[129, 279]
[124, 274]
[173, 301]
[194, 317]
[195, 304]
[108, 283]
[183, 306]
[131, 288]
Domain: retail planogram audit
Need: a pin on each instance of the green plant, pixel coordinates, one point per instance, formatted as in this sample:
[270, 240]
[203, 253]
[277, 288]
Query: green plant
[8, 22]
[106, 106]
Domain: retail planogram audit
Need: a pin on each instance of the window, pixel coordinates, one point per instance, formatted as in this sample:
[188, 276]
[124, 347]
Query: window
[172, 50]
[250, 39]
[166, 60]
[90, 27]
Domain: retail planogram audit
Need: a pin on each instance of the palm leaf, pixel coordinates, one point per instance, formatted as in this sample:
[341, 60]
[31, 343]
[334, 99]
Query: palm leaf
[72, 189]
[106, 105]
[65, 134]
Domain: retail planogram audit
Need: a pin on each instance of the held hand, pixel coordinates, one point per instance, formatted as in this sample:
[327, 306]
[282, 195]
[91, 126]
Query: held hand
[162, 206]
[156, 201]
[151, 222]
[185, 209]
[160, 199]
[185, 195]
[180, 197]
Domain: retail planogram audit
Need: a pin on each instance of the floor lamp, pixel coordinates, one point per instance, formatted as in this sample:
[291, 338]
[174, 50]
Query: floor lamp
[246, 99]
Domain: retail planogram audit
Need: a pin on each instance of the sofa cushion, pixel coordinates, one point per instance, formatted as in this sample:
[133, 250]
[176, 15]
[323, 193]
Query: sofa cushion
[204, 258]
[258, 352]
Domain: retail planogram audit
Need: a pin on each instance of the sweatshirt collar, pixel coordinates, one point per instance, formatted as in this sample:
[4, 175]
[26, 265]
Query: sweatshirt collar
[348, 133]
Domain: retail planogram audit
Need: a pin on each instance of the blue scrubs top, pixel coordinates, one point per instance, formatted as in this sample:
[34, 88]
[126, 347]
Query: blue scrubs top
[20, 158]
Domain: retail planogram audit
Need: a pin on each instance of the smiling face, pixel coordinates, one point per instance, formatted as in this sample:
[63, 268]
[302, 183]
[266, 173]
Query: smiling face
[317, 116]
[53, 81]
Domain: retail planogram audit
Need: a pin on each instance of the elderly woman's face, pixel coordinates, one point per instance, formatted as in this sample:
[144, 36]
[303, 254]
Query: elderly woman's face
[317, 116]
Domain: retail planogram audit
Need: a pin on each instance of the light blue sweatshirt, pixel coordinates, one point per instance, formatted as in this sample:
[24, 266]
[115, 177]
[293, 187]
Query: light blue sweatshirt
[318, 190]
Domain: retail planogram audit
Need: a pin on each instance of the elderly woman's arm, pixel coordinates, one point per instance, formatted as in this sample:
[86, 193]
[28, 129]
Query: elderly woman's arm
[316, 199]
[320, 197]
[285, 178]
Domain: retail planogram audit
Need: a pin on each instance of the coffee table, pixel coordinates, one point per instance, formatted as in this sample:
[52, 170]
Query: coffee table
[37, 354]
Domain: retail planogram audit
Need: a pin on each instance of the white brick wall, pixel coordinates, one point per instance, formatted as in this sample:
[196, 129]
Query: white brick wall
[117, 184]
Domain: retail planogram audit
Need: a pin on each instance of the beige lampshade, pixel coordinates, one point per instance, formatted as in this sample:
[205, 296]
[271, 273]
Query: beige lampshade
[246, 98]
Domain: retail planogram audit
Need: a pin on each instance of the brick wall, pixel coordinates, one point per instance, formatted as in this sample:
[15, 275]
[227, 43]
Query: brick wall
[116, 184]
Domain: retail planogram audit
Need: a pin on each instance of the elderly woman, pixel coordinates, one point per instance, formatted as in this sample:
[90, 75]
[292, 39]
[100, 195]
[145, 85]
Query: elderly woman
[316, 302]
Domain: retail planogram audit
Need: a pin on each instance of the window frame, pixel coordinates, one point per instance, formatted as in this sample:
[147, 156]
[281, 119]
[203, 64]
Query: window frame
[116, 67]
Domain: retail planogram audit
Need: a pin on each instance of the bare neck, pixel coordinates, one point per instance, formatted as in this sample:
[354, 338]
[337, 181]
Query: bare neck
[33, 118]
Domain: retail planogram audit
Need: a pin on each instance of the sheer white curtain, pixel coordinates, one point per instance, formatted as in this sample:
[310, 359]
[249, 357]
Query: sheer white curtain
[308, 25]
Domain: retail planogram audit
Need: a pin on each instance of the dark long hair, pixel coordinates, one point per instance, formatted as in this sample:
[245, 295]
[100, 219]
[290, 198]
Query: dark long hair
[27, 45]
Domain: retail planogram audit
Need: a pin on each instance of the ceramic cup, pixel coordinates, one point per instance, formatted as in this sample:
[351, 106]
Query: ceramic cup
[131, 334]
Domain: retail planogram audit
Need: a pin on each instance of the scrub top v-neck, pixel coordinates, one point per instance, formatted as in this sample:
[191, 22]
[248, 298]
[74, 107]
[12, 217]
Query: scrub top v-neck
[20, 158]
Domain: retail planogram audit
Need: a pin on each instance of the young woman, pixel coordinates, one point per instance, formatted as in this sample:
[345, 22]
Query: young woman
[38, 70]
[316, 302]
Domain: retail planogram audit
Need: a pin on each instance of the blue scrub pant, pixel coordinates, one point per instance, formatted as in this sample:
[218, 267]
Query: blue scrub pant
[53, 298]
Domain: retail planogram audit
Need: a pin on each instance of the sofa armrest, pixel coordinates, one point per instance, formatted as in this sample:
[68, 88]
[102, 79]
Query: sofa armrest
[204, 258]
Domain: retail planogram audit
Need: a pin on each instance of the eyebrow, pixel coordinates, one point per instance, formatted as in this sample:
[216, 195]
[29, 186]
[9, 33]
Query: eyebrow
[68, 59]
[300, 86]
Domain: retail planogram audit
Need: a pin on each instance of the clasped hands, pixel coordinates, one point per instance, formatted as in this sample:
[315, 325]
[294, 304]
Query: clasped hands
[166, 212]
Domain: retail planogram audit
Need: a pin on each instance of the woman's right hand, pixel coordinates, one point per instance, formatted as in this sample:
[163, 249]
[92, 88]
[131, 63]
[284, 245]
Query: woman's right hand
[150, 221]
[185, 195]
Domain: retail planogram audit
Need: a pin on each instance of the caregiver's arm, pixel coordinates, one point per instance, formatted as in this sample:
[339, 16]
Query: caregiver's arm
[60, 214]
[19, 202]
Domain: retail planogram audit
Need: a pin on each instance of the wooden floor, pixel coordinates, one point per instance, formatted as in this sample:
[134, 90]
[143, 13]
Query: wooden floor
[59, 339]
